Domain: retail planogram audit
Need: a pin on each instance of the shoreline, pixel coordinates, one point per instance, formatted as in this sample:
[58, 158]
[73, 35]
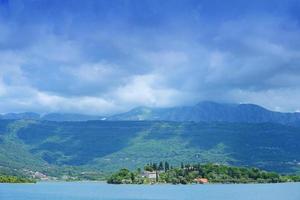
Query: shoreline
[155, 184]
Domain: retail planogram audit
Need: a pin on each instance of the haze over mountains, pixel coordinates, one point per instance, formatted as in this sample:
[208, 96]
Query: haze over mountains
[202, 112]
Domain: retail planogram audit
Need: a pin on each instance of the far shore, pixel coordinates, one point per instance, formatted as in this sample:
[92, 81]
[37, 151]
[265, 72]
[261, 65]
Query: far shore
[150, 185]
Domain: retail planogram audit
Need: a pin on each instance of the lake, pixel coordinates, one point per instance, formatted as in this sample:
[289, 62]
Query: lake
[102, 191]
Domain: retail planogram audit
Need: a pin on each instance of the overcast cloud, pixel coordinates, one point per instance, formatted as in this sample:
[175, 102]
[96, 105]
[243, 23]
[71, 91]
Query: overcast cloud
[103, 57]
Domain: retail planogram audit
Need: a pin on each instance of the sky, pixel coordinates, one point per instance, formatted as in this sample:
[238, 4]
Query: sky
[103, 57]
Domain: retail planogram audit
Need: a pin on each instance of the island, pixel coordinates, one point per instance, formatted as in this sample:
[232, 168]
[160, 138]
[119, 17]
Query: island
[197, 173]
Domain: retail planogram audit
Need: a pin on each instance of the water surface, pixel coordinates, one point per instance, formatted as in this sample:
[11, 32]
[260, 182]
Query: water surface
[102, 191]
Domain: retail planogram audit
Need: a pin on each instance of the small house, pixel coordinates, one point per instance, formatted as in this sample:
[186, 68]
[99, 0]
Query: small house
[150, 175]
[201, 180]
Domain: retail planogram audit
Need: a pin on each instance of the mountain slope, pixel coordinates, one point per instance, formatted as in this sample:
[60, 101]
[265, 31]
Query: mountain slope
[25, 115]
[211, 112]
[109, 145]
[69, 117]
[50, 116]
[13, 152]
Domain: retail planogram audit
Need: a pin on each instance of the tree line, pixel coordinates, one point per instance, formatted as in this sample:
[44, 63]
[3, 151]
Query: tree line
[15, 179]
[189, 173]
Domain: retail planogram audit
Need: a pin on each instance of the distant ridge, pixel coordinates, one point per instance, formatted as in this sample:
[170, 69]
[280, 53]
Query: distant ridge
[69, 117]
[51, 116]
[205, 111]
[211, 112]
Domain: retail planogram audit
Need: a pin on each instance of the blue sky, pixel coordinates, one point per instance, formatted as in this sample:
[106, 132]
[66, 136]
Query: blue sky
[102, 57]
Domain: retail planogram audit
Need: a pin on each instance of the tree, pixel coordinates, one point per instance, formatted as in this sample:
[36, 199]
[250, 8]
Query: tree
[167, 166]
[161, 166]
[148, 168]
[155, 166]
[122, 176]
[214, 173]
[132, 177]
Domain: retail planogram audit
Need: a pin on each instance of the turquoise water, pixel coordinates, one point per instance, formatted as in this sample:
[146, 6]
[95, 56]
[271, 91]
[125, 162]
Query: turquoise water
[101, 191]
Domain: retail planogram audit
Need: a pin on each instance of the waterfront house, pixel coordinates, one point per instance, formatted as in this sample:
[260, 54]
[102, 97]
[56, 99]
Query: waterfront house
[151, 175]
[201, 180]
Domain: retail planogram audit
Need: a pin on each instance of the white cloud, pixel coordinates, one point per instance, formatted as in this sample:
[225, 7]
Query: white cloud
[2, 89]
[95, 72]
[85, 104]
[71, 64]
[54, 49]
[282, 99]
[146, 90]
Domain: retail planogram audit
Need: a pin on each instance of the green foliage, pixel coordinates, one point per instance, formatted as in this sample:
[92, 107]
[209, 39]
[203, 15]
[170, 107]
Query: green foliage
[149, 168]
[189, 173]
[13, 152]
[122, 176]
[221, 174]
[14, 179]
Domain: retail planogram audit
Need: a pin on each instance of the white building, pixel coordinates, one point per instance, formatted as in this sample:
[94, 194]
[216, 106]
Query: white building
[150, 175]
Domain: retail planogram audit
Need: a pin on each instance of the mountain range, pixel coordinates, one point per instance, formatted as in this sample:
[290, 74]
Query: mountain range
[211, 112]
[202, 112]
[50, 116]
[233, 134]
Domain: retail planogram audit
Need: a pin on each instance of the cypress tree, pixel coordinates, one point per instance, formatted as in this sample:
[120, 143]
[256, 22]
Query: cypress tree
[167, 166]
[161, 166]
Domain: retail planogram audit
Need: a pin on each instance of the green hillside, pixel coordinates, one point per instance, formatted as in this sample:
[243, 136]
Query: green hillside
[13, 152]
[110, 145]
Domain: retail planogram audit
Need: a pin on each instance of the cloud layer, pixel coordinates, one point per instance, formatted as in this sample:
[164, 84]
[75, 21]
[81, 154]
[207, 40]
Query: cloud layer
[102, 57]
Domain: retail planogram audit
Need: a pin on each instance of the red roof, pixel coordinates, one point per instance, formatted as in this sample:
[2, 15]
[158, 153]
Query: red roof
[201, 180]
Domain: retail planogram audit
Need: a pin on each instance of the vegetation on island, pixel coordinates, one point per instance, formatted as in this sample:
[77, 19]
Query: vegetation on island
[15, 179]
[197, 173]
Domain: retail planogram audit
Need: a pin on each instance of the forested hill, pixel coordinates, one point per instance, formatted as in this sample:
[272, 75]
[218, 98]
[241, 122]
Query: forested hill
[110, 145]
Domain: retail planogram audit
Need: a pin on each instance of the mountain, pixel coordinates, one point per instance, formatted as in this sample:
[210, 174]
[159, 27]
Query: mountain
[69, 117]
[202, 112]
[211, 112]
[25, 115]
[51, 116]
[110, 145]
